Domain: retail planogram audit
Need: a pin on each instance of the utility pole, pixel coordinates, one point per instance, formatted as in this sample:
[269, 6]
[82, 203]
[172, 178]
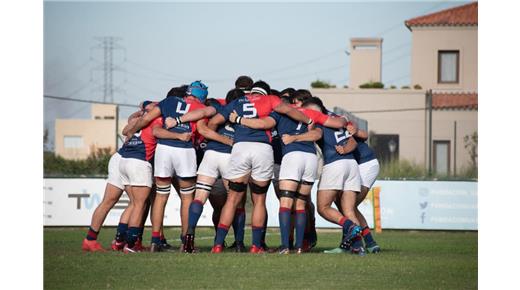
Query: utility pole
[108, 44]
[429, 100]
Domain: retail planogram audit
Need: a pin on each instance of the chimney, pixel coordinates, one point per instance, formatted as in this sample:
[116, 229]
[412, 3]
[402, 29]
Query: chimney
[365, 61]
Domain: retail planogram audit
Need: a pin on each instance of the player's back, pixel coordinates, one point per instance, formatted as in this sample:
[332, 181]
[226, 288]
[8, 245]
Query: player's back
[363, 152]
[142, 144]
[286, 125]
[176, 107]
[331, 138]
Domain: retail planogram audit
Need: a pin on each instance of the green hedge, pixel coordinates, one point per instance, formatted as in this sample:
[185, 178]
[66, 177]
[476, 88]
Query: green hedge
[95, 165]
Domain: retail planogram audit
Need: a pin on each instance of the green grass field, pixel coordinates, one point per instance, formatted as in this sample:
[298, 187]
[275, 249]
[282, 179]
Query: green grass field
[409, 260]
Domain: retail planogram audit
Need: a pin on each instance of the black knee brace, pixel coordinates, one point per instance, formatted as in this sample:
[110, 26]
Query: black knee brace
[237, 186]
[258, 189]
[287, 193]
[307, 182]
[301, 196]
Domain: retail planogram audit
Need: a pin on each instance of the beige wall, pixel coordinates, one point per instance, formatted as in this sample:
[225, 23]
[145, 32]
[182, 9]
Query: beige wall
[102, 111]
[95, 134]
[365, 64]
[427, 41]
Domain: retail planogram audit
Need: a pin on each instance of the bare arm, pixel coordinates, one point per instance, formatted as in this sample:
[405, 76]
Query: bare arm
[354, 130]
[347, 147]
[191, 116]
[335, 122]
[135, 115]
[260, 124]
[209, 134]
[294, 114]
[215, 121]
[142, 122]
[162, 133]
[311, 135]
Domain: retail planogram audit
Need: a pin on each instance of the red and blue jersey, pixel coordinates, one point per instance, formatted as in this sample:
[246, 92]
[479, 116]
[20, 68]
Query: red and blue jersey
[331, 138]
[142, 144]
[176, 107]
[363, 152]
[251, 106]
[225, 129]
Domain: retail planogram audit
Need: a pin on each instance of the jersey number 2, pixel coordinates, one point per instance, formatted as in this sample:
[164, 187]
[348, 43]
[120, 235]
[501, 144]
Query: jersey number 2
[340, 136]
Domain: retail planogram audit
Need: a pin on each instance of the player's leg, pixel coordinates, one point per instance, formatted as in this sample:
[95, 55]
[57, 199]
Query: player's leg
[158, 206]
[122, 228]
[239, 224]
[140, 195]
[287, 193]
[186, 193]
[371, 244]
[302, 196]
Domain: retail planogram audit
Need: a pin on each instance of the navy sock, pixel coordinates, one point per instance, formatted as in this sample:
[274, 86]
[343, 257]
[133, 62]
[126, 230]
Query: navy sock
[357, 242]
[156, 238]
[183, 238]
[284, 217]
[367, 236]
[239, 223]
[92, 234]
[194, 215]
[264, 230]
[346, 224]
[257, 236]
[141, 231]
[222, 231]
[133, 234]
[121, 232]
[301, 222]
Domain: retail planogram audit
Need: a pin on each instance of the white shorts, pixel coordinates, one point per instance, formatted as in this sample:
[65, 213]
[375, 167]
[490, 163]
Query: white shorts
[341, 175]
[218, 188]
[170, 161]
[253, 158]
[368, 172]
[136, 172]
[299, 166]
[214, 164]
[114, 175]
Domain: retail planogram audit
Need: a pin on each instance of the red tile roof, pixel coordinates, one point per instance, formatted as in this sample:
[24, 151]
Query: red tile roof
[448, 100]
[461, 15]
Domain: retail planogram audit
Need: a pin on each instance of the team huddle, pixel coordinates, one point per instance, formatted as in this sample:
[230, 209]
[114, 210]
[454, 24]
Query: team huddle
[217, 149]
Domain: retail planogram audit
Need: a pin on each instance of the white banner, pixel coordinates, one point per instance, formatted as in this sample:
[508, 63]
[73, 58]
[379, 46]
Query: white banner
[438, 205]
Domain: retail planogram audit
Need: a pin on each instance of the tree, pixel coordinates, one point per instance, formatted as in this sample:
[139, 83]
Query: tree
[319, 84]
[471, 144]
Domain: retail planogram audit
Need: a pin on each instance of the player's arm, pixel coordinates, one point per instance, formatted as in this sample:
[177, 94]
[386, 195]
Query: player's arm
[135, 115]
[353, 129]
[142, 122]
[347, 147]
[216, 120]
[312, 135]
[335, 122]
[209, 134]
[191, 116]
[292, 113]
[253, 123]
[162, 133]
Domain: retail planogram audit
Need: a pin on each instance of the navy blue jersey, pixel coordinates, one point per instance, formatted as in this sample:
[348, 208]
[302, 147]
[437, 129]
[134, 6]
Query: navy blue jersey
[225, 129]
[363, 152]
[176, 107]
[251, 106]
[277, 146]
[331, 138]
[286, 125]
[142, 144]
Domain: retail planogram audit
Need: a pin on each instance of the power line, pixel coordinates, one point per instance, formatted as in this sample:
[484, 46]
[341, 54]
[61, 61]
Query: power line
[88, 101]
[311, 73]
[389, 110]
[69, 74]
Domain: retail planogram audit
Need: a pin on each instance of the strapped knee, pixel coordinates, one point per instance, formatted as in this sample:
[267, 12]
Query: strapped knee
[301, 196]
[204, 186]
[164, 189]
[188, 190]
[258, 189]
[307, 182]
[237, 186]
[287, 193]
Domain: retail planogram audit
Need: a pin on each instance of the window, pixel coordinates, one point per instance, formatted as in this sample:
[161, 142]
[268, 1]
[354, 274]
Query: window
[73, 141]
[386, 147]
[448, 67]
[441, 157]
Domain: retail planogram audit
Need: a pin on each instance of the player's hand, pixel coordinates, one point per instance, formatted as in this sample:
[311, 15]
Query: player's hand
[352, 128]
[311, 126]
[185, 137]
[340, 149]
[170, 122]
[288, 139]
[229, 141]
[233, 117]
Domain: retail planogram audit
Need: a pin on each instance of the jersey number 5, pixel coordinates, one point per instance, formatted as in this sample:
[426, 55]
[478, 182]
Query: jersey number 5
[249, 110]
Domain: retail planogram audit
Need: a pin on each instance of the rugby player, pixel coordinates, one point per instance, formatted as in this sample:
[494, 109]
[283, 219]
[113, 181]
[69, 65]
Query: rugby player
[251, 158]
[340, 176]
[174, 157]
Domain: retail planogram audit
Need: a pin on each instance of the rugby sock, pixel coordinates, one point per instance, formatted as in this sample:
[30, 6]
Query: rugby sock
[264, 229]
[257, 236]
[239, 223]
[156, 238]
[141, 231]
[121, 232]
[133, 234]
[284, 217]
[194, 215]
[222, 231]
[301, 222]
[346, 224]
[367, 236]
[92, 234]
[357, 242]
[183, 238]
[162, 239]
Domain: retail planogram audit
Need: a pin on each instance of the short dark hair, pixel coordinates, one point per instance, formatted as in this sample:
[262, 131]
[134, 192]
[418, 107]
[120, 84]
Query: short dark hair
[233, 95]
[275, 92]
[211, 101]
[244, 83]
[302, 95]
[289, 91]
[262, 85]
[178, 91]
[315, 101]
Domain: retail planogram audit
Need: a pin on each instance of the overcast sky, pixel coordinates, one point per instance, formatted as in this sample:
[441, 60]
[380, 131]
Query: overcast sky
[165, 44]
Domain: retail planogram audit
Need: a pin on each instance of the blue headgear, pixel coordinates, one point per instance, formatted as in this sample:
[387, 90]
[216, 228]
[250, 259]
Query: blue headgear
[198, 90]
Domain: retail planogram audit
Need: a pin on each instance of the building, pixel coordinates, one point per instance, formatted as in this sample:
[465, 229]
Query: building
[78, 138]
[444, 67]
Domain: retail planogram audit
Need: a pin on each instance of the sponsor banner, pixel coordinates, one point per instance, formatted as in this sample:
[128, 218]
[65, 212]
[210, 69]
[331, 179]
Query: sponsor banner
[71, 202]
